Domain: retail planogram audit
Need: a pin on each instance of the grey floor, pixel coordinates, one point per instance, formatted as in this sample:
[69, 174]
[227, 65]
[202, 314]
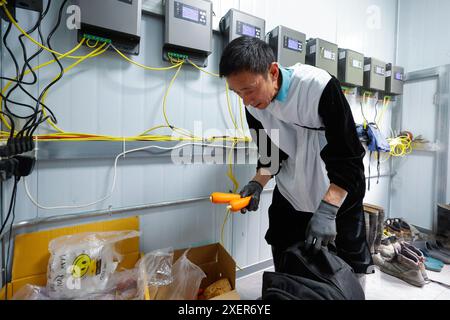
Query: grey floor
[379, 286]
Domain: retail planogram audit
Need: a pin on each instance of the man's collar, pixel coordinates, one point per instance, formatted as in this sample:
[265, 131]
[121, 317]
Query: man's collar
[286, 76]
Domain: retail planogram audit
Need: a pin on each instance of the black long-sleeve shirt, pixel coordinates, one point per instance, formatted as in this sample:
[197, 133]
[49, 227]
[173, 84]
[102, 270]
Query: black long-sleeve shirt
[343, 155]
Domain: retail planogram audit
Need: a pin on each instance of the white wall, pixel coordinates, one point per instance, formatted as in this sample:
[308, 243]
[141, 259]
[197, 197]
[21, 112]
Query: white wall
[107, 95]
[424, 34]
[423, 42]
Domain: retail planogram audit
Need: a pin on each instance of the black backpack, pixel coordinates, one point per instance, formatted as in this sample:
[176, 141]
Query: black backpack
[304, 276]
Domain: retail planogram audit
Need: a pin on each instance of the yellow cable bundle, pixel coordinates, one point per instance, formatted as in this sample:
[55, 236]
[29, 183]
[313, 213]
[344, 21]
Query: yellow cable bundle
[400, 146]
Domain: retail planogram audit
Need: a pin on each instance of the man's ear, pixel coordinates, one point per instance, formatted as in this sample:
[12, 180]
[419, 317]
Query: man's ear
[274, 71]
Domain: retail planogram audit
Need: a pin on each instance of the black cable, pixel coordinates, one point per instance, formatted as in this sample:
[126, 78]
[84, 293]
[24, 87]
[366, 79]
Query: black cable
[362, 112]
[8, 256]
[61, 74]
[376, 111]
[5, 37]
[19, 81]
[20, 77]
[13, 195]
[6, 98]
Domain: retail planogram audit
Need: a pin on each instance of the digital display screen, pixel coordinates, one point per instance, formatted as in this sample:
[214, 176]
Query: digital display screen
[293, 44]
[190, 13]
[380, 70]
[248, 30]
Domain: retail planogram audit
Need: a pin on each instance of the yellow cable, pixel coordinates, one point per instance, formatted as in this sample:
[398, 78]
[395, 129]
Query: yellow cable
[91, 46]
[229, 104]
[65, 71]
[203, 70]
[386, 101]
[143, 66]
[14, 22]
[175, 129]
[29, 71]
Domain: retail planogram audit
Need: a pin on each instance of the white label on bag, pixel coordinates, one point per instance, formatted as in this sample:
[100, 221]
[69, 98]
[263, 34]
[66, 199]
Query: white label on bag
[388, 73]
[312, 49]
[342, 55]
[367, 67]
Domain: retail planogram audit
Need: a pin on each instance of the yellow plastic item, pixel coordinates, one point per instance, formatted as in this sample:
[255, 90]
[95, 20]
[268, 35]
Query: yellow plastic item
[238, 205]
[223, 198]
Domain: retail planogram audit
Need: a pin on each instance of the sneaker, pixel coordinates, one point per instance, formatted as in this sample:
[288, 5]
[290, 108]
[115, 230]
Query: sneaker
[387, 251]
[393, 227]
[408, 249]
[405, 229]
[440, 246]
[403, 266]
[429, 250]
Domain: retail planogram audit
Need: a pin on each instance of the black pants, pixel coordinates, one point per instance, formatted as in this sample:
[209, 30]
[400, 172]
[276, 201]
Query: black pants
[287, 227]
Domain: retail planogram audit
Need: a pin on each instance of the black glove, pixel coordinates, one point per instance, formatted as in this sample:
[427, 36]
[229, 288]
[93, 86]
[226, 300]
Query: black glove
[321, 229]
[254, 189]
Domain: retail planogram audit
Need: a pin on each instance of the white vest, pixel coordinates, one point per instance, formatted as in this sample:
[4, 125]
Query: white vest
[302, 179]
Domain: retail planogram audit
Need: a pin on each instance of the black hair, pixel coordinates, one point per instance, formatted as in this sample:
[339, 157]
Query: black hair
[246, 54]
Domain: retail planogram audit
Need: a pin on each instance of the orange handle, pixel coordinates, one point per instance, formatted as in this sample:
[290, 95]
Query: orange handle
[238, 205]
[222, 198]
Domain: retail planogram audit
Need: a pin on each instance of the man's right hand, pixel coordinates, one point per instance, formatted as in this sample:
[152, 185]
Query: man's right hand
[253, 189]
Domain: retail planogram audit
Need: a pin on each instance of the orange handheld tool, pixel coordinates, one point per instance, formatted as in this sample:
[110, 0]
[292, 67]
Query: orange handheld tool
[239, 204]
[223, 198]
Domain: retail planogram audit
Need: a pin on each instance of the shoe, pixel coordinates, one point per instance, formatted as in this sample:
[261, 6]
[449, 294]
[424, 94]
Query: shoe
[405, 228]
[403, 266]
[433, 264]
[393, 227]
[408, 250]
[429, 250]
[439, 246]
[386, 251]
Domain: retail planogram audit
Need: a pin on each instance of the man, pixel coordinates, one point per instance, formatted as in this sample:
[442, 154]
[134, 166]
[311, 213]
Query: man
[320, 174]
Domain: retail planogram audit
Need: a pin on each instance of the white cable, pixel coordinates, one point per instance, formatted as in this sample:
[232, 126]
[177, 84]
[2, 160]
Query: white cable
[115, 174]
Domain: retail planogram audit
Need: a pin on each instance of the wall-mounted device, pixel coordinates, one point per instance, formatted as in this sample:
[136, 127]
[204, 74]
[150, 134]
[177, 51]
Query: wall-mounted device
[288, 45]
[188, 30]
[236, 24]
[116, 20]
[395, 79]
[374, 74]
[351, 67]
[322, 54]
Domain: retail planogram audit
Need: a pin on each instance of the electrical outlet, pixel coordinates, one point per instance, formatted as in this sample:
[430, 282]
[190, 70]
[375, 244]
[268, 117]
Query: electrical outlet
[34, 5]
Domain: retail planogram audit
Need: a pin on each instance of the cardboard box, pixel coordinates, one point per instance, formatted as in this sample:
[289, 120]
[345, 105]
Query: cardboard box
[216, 263]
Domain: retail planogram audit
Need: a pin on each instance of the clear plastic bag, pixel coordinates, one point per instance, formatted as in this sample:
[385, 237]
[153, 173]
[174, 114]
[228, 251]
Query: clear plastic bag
[187, 278]
[154, 271]
[80, 265]
[30, 292]
[124, 284]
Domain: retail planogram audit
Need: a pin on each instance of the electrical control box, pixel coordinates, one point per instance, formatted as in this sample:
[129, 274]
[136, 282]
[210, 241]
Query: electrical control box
[116, 20]
[322, 54]
[374, 74]
[188, 30]
[288, 45]
[395, 77]
[236, 24]
[351, 67]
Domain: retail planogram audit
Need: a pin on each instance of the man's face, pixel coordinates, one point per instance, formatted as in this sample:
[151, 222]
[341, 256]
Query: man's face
[256, 90]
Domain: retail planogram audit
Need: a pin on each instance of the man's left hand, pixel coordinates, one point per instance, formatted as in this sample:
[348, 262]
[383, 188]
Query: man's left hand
[321, 229]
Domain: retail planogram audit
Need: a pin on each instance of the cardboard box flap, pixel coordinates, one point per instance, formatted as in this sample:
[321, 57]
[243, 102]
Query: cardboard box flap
[214, 260]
